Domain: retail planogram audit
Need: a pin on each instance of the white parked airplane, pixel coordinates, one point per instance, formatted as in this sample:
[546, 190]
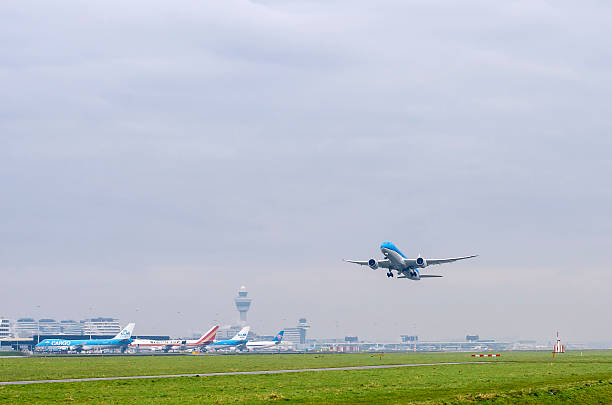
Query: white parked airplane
[408, 268]
[176, 344]
[266, 344]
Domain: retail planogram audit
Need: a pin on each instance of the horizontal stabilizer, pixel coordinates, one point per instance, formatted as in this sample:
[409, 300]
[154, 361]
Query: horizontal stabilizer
[422, 276]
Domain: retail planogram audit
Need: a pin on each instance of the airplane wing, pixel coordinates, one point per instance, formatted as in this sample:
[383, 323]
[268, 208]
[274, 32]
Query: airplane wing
[449, 260]
[384, 263]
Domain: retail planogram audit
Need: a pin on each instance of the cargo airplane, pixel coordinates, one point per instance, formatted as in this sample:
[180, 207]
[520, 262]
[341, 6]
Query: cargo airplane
[176, 344]
[121, 340]
[406, 268]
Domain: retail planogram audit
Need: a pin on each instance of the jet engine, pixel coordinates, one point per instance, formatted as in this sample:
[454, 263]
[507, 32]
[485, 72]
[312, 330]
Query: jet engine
[420, 262]
[373, 264]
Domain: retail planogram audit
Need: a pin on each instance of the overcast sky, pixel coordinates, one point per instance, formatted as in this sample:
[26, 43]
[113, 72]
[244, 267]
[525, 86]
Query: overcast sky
[155, 156]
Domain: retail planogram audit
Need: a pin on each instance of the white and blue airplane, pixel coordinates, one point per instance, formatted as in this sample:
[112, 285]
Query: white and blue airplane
[266, 344]
[406, 268]
[237, 342]
[121, 340]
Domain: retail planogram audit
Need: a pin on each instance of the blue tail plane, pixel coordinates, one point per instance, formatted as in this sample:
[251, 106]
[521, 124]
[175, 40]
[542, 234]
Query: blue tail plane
[279, 336]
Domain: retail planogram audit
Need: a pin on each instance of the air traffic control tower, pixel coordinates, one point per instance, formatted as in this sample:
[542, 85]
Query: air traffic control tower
[242, 303]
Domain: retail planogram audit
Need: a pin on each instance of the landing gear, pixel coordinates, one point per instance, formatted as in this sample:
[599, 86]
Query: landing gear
[389, 274]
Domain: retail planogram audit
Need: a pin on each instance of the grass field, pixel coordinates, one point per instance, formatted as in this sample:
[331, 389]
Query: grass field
[523, 377]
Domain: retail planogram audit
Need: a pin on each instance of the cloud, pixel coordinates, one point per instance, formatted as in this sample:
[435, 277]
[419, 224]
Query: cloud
[250, 141]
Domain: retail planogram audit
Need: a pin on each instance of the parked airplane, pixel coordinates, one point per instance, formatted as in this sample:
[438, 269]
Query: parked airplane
[121, 340]
[237, 342]
[266, 344]
[408, 268]
[176, 344]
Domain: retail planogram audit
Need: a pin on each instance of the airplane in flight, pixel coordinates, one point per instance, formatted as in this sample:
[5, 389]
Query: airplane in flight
[121, 340]
[266, 344]
[176, 344]
[237, 342]
[406, 268]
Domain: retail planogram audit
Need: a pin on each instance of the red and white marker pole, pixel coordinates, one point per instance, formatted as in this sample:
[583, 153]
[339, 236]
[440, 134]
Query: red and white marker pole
[558, 348]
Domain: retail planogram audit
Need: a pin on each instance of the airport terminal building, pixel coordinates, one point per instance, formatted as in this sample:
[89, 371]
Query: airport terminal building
[297, 334]
[101, 326]
[25, 328]
[5, 328]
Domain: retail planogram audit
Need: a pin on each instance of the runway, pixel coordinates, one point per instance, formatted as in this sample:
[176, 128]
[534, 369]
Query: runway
[303, 370]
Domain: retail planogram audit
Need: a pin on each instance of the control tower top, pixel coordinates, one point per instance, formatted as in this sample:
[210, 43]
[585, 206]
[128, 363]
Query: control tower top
[242, 303]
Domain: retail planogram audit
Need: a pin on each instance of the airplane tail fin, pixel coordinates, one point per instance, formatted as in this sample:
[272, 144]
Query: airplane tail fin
[126, 332]
[242, 335]
[279, 336]
[209, 336]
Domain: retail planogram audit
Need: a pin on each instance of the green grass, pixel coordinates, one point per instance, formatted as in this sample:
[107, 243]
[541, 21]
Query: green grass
[41, 368]
[526, 378]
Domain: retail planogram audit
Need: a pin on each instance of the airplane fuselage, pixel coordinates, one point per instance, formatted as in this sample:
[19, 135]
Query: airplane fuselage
[226, 344]
[172, 344]
[80, 344]
[399, 262]
[261, 345]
